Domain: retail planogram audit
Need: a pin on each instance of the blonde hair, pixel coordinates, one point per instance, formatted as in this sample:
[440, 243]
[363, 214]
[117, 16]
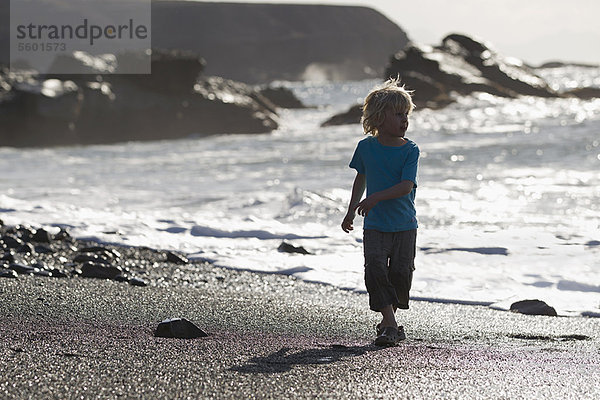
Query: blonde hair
[389, 94]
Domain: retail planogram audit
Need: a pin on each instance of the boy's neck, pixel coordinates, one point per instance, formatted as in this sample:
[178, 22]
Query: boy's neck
[394, 141]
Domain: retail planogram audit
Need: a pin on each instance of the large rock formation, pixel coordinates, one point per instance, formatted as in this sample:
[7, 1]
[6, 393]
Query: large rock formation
[259, 43]
[264, 42]
[173, 102]
[462, 65]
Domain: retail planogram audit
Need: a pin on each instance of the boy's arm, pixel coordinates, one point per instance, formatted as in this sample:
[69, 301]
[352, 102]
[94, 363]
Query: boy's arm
[401, 189]
[358, 188]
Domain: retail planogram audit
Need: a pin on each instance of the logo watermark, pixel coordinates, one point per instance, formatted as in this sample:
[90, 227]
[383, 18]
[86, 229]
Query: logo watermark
[81, 36]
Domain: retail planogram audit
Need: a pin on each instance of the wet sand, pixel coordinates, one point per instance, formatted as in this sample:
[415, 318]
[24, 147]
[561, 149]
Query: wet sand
[274, 336]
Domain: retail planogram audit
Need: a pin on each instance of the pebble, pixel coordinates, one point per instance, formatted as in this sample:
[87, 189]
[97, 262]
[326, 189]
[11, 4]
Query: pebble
[21, 269]
[137, 282]
[12, 242]
[8, 273]
[26, 248]
[285, 247]
[178, 328]
[101, 271]
[41, 236]
[533, 307]
[176, 258]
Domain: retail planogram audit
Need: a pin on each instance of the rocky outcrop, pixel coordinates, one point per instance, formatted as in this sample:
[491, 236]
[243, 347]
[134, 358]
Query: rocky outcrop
[282, 97]
[172, 102]
[259, 43]
[352, 116]
[462, 65]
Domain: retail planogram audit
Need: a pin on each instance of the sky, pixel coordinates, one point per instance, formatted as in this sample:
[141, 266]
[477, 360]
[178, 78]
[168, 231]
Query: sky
[535, 31]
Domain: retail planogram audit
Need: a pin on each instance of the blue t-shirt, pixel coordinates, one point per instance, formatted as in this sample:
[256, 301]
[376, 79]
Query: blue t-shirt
[384, 167]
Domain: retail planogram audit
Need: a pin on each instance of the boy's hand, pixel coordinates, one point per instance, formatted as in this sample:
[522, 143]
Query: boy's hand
[365, 206]
[347, 223]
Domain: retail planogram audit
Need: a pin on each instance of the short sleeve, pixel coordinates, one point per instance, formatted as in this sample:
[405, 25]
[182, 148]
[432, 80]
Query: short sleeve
[357, 161]
[409, 171]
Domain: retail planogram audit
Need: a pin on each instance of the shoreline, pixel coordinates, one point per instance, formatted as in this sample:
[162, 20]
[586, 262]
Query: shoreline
[273, 336]
[142, 265]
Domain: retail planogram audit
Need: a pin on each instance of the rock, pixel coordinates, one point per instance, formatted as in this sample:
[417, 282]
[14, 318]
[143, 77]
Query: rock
[463, 65]
[533, 307]
[282, 97]
[21, 268]
[8, 257]
[100, 251]
[178, 328]
[171, 103]
[12, 242]
[176, 258]
[43, 249]
[42, 236]
[55, 273]
[586, 93]
[260, 43]
[289, 248]
[40, 112]
[27, 248]
[137, 282]
[63, 235]
[83, 258]
[101, 271]
[8, 273]
[42, 272]
[352, 116]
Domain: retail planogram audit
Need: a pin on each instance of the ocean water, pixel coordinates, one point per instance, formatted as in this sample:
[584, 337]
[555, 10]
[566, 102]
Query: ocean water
[508, 198]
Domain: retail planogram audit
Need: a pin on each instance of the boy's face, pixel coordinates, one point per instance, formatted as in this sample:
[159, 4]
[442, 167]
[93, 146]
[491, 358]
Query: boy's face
[394, 124]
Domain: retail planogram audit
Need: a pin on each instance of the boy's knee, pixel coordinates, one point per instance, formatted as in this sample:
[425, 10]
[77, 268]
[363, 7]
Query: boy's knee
[401, 276]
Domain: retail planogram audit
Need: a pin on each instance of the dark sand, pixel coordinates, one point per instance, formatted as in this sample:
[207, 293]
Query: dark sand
[276, 337]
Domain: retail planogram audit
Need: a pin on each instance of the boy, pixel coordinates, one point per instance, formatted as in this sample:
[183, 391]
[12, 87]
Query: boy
[386, 164]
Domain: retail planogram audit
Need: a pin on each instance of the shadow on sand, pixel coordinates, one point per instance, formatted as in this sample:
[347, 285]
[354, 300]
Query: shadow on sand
[284, 360]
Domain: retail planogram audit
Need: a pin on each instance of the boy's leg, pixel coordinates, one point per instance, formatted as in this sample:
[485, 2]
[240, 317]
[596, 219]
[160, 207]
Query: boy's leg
[389, 318]
[382, 293]
[402, 265]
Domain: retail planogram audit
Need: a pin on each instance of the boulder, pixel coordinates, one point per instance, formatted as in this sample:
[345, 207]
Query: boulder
[533, 307]
[352, 116]
[178, 328]
[282, 97]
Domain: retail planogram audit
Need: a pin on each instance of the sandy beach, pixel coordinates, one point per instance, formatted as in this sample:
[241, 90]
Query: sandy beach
[273, 336]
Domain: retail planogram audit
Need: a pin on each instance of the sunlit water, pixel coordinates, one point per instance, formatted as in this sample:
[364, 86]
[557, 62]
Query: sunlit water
[507, 200]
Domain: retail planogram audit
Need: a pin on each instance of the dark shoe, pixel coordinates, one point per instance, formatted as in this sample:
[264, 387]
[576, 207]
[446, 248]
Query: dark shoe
[388, 337]
[401, 333]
